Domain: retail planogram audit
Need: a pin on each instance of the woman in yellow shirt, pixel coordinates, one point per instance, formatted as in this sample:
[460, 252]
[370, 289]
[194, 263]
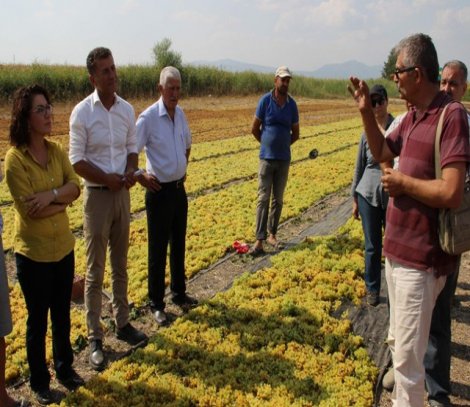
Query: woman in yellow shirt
[42, 183]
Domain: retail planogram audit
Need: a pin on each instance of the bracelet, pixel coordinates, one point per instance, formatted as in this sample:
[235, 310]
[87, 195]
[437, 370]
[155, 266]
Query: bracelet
[56, 194]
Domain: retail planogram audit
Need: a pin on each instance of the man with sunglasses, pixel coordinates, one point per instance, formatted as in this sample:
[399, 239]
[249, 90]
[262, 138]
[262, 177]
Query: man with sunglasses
[416, 267]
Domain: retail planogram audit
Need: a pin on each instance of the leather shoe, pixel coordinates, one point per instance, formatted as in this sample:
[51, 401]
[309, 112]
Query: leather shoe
[44, 397]
[130, 334]
[373, 299]
[160, 317]
[72, 381]
[439, 403]
[97, 359]
[184, 300]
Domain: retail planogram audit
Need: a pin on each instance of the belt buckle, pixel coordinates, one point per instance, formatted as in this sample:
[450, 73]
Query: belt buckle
[180, 183]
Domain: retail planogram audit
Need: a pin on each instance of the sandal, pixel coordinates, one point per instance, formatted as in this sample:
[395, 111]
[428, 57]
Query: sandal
[256, 251]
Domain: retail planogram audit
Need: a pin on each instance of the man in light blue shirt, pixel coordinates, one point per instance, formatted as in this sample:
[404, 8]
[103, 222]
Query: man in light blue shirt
[276, 127]
[163, 132]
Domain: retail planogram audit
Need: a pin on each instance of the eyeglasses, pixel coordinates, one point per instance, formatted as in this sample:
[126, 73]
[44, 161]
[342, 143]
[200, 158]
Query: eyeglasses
[376, 102]
[398, 71]
[41, 109]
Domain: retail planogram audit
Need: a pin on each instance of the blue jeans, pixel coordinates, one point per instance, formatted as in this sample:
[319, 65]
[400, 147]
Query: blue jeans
[47, 286]
[438, 352]
[272, 178]
[373, 222]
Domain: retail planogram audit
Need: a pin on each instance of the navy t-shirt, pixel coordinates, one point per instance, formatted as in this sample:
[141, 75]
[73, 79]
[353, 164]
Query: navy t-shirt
[276, 125]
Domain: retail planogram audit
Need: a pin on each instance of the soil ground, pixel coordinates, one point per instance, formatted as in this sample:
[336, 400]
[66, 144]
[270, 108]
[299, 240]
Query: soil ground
[214, 118]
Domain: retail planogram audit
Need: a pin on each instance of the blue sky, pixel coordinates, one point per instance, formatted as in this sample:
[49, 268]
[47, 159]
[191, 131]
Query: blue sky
[303, 34]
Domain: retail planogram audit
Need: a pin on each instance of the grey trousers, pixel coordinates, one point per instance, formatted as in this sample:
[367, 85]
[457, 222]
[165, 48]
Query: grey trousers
[272, 179]
[107, 220]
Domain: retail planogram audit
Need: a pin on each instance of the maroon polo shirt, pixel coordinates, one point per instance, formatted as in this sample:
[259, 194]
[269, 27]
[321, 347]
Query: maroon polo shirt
[411, 236]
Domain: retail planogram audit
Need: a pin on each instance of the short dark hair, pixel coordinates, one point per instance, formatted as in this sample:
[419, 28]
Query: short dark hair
[455, 63]
[418, 50]
[22, 104]
[96, 53]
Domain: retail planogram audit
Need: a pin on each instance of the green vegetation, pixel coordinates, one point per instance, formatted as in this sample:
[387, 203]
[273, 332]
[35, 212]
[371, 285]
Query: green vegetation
[139, 81]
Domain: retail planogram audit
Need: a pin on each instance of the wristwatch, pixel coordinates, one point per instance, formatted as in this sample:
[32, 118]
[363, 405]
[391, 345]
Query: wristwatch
[138, 172]
[56, 194]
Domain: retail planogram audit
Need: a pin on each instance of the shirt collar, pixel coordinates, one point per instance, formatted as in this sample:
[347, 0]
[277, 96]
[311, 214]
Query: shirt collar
[162, 108]
[274, 97]
[438, 102]
[24, 147]
[95, 98]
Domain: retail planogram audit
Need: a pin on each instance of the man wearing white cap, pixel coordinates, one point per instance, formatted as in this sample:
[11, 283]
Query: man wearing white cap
[276, 127]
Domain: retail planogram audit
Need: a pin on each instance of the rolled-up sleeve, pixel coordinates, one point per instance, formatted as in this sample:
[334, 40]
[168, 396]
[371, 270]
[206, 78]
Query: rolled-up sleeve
[131, 144]
[78, 137]
[141, 133]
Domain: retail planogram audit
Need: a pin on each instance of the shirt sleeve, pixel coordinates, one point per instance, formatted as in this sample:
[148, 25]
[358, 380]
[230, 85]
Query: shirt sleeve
[454, 138]
[131, 145]
[361, 160]
[18, 181]
[141, 132]
[78, 137]
[187, 132]
[261, 109]
[295, 114]
[69, 174]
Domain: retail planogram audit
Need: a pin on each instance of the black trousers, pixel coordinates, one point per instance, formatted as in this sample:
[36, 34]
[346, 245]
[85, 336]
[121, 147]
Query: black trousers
[167, 213]
[47, 286]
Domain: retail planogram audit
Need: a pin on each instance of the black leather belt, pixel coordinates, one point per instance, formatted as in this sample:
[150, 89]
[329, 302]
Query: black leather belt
[98, 187]
[175, 184]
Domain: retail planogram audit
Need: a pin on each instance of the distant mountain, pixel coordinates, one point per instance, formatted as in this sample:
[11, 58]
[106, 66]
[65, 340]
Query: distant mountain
[331, 71]
[345, 70]
[234, 66]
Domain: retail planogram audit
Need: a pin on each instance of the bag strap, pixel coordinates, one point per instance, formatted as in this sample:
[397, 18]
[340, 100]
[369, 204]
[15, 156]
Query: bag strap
[437, 144]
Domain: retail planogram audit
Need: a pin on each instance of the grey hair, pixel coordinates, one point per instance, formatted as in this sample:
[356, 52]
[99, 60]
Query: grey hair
[455, 63]
[169, 72]
[418, 50]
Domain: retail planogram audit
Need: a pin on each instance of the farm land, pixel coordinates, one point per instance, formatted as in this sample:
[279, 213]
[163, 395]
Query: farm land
[269, 331]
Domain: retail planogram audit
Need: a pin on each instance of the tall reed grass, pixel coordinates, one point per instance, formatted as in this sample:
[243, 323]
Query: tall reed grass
[66, 82]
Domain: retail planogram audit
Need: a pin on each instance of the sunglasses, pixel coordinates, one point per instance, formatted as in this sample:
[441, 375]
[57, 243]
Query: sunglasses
[376, 102]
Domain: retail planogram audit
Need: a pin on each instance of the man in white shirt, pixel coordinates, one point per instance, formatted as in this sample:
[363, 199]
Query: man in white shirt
[103, 150]
[163, 131]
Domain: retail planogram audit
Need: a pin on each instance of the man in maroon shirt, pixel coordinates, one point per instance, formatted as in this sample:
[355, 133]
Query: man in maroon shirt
[416, 267]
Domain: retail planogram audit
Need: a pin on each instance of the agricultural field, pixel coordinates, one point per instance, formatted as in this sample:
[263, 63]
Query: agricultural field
[274, 337]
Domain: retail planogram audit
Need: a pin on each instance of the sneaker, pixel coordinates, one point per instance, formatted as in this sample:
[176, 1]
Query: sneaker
[388, 381]
[184, 300]
[44, 397]
[72, 381]
[130, 334]
[373, 299]
[96, 358]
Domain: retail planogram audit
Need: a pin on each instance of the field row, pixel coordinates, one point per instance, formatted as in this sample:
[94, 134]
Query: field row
[214, 165]
[215, 221]
[270, 340]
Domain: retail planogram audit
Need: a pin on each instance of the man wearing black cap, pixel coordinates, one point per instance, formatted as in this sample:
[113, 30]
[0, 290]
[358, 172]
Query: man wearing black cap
[276, 127]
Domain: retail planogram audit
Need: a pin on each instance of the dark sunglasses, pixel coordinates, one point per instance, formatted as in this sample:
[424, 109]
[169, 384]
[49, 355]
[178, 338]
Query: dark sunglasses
[376, 102]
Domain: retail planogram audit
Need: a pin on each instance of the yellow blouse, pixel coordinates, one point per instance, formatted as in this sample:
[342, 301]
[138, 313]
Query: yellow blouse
[47, 239]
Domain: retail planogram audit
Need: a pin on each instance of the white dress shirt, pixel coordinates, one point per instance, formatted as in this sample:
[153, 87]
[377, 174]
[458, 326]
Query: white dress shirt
[103, 138]
[165, 141]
